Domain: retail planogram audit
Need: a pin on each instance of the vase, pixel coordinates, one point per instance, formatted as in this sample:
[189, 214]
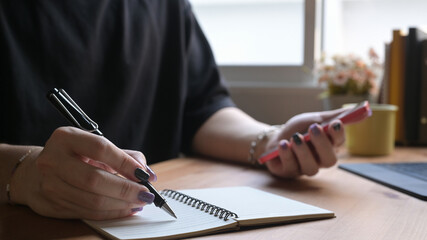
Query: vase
[337, 101]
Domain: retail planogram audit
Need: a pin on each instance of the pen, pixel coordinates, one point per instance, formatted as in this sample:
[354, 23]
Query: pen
[71, 111]
[159, 201]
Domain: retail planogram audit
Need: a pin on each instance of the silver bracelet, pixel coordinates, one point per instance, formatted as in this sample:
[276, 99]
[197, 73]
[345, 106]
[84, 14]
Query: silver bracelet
[13, 171]
[261, 137]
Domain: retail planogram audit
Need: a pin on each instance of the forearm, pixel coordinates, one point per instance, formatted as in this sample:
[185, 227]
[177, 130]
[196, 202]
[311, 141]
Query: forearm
[228, 135]
[9, 157]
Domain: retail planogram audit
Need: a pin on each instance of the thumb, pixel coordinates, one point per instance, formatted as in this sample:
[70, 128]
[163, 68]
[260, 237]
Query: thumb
[327, 116]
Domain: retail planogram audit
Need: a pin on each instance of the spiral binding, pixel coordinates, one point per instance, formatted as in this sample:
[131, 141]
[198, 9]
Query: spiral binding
[199, 204]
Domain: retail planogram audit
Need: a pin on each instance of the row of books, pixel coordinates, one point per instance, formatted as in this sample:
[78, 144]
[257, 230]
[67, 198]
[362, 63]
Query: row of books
[405, 84]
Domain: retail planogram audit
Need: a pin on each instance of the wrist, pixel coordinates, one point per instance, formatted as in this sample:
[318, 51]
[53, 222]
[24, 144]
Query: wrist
[19, 180]
[263, 142]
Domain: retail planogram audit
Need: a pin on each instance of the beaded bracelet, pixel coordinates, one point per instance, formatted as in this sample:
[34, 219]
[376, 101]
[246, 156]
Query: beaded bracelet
[13, 171]
[261, 137]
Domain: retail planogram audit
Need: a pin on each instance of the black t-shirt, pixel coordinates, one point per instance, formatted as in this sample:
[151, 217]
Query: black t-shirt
[141, 69]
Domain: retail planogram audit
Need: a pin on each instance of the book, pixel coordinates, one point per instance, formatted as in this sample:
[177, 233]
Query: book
[383, 96]
[422, 139]
[396, 86]
[207, 211]
[412, 82]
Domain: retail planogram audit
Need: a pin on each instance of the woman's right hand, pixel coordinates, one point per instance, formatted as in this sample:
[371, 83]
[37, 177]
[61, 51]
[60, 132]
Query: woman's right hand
[73, 177]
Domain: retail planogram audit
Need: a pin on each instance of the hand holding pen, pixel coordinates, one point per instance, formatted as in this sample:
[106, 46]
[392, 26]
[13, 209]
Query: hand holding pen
[72, 177]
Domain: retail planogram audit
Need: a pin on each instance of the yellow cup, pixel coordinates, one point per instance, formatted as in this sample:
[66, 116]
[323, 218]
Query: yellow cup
[375, 135]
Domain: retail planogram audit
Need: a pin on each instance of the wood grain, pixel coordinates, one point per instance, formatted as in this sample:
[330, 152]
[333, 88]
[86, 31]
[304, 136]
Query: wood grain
[364, 209]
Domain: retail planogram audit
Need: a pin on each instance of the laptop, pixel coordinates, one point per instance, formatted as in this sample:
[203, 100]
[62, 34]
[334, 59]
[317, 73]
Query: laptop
[409, 178]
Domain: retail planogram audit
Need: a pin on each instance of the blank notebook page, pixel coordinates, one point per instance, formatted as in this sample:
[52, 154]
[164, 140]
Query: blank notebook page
[252, 206]
[153, 222]
[255, 207]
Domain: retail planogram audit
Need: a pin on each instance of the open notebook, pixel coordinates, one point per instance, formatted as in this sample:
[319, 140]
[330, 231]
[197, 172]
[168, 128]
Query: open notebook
[209, 210]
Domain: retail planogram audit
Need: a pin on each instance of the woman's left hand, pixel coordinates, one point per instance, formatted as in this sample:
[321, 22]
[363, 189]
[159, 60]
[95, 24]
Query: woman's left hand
[297, 157]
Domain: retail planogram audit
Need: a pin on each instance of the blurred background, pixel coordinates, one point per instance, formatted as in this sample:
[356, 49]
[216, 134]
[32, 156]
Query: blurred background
[268, 49]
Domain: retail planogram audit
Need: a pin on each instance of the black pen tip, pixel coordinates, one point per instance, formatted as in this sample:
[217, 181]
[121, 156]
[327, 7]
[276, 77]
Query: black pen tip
[167, 209]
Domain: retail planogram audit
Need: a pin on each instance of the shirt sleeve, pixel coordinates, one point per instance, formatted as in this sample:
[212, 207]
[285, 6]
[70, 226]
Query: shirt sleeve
[206, 89]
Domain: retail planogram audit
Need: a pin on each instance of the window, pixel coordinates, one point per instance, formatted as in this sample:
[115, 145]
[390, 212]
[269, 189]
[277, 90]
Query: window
[262, 64]
[354, 26]
[263, 32]
[275, 42]
[260, 42]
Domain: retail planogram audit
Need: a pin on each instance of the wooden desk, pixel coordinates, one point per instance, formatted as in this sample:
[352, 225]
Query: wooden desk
[364, 209]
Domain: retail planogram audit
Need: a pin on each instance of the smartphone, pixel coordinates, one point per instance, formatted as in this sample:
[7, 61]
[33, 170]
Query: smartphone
[352, 115]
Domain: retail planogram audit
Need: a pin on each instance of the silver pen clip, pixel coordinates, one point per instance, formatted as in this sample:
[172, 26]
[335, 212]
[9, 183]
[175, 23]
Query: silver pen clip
[66, 105]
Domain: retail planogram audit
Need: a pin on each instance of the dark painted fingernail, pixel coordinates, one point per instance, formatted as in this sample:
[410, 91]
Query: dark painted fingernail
[337, 126]
[146, 197]
[141, 174]
[315, 129]
[284, 144]
[297, 139]
[136, 209]
[152, 173]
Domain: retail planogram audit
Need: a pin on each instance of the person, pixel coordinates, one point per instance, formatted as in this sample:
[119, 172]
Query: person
[143, 71]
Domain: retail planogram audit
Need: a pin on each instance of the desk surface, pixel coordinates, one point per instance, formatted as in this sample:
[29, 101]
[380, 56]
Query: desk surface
[364, 209]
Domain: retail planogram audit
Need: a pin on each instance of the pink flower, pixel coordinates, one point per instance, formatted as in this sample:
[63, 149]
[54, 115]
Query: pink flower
[372, 54]
[360, 64]
[324, 78]
[340, 78]
[370, 74]
[349, 74]
[358, 76]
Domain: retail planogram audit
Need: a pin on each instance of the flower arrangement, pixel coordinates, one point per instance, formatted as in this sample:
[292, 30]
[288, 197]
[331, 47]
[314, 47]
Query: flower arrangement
[349, 74]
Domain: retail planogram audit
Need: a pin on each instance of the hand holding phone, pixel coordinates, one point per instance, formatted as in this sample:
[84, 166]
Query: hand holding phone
[352, 115]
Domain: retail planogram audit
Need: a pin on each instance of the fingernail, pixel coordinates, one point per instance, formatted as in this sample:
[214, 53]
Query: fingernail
[136, 209]
[337, 126]
[315, 129]
[146, 197]
[141, 174]
[297, 139]
[152, 173]
[284, 144]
